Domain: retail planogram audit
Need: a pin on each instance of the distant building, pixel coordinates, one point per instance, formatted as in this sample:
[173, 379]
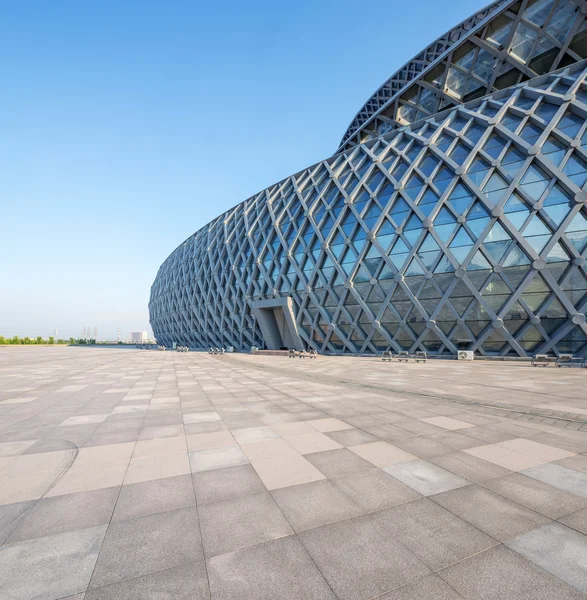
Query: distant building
[138, 337]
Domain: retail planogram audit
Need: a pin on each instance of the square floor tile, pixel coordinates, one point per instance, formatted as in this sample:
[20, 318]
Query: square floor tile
[276, 570]
[50, 567]
[382, 454]
[329, 424]
[158, 447]
[469, 467]
[187, 582]
[359, 558]
[501, 574]
[292, 428]
[84, 419]
[11, 515]
[308, 443]
[157, 467]
[424, 447]
[150, 497]
[375, 489]
[536, 495]
[577, 520]
[497, 516]
[277, 448]
[558, 550]
[205, 441]
[447, 423]
[560, 477]
[339, 463]
[432, 533]
[431, 587]
[14, 448]
[315, 504]
[223, 484]
[351, 437]
[504, 457]
[217, 458]
[66, 513]
[147, 544]
[425, 477]
[282, 472]
[239, 522]
[544, 452]
[249, 435]
[202, 417]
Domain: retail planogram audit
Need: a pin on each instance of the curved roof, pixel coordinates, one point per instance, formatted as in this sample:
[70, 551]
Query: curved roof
[507, 42]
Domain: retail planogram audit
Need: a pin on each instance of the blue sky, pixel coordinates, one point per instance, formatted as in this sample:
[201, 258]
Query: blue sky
[127, 125]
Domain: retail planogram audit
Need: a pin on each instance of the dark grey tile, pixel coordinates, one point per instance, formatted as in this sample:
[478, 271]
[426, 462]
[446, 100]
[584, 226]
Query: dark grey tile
[158, 495]
[276, 570]
[501, 574]
[469, 467]
[432, 533]
[50, 567]
[577, 462]
[359, 558]
[10, 517]
[187, 582]
[431, 587]
[488, 435]
[339, 463]
[315, 504]
[536, 495]
[558, 550]
[497, 516]
[222, 484]
[153, 543]
[424, 447]
[454, 439]
[66, 513]
[239, 522]
[351, 437]
[577, 520]
[375, 489]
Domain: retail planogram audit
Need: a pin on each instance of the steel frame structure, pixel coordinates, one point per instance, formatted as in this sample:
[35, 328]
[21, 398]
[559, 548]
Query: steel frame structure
[464, 230]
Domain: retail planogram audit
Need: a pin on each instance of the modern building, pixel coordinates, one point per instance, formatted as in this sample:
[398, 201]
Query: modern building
[453, 215]
[138, 337]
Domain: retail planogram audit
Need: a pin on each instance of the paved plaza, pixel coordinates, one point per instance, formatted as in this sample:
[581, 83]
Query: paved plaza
[132, 474]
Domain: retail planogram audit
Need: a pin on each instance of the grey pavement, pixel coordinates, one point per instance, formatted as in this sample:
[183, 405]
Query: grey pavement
[137, 475]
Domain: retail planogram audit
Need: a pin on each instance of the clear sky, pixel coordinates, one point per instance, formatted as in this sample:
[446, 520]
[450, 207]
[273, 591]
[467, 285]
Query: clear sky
[125, 126]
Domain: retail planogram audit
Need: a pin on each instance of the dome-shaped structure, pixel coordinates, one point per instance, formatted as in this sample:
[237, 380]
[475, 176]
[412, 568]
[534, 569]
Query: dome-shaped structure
[463, 229]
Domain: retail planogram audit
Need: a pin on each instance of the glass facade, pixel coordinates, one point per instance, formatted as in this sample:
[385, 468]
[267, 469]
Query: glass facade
[464, 230]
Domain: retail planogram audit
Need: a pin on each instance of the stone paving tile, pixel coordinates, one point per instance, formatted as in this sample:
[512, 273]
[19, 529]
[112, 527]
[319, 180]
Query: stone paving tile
[558, 550]
[308, 443]
[469, 467]
[249, 435]
[497, 516]
[292, 428]
[11, 515]
[425, 477]
[66, 513]
[560, 477]
[147, 544]
[501, 574]
[50, 567]
[217, 458]
[15, 448]
[314, 504]
[339, 463]
[433, 534]
[375, 489]
[282, 472]
[431, 587]
[382, 454]
[577, 462]
[577, 520]
[359, 559]
[239, 522]
[424, 447]
[505, 457]
[351, 437]
[279, 569]
[223, 484]
[447, 423]
[187, 582]
[329, 424]
[150, 497]
[269, 449]
[205, 441]
[536, 495]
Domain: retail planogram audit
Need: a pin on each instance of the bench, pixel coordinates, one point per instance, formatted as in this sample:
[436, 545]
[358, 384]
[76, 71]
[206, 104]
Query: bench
[386, 355]
[313, 353]
[420, 356]
[540, 360]
[301, 354]
[564, 360]
[291, 353]
[403, 356]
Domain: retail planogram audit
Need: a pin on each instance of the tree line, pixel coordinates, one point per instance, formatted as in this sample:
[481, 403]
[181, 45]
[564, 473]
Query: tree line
[28, 341]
